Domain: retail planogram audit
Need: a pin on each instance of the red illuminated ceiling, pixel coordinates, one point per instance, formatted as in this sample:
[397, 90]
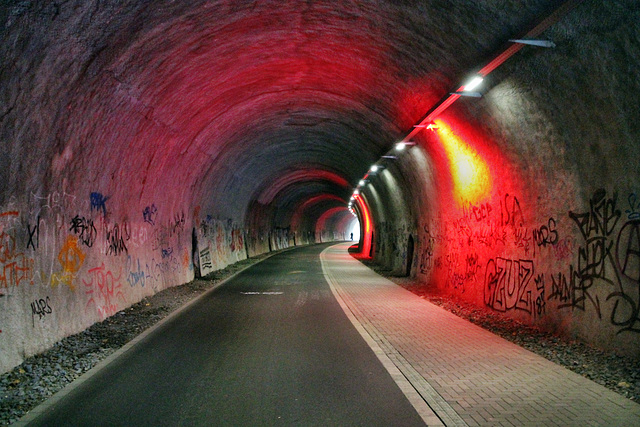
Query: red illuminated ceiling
[303, 175]
[306, 204]
[328, 215]
[228, 105]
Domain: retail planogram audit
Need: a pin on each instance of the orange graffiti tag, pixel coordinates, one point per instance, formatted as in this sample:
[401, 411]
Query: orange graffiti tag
[71, 259]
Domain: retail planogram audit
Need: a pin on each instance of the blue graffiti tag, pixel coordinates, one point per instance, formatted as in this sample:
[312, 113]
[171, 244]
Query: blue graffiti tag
[98, 202]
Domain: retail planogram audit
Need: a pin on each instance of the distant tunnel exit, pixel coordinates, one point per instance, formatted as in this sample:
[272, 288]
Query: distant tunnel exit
[353, 230]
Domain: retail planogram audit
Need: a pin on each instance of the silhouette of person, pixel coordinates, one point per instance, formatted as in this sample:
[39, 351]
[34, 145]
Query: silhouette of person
[351, 236]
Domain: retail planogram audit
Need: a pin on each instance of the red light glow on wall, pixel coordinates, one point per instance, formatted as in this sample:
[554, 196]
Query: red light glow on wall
[296, 176]
[321, 223]
[367, 226]
[472, 181]
[298, 213]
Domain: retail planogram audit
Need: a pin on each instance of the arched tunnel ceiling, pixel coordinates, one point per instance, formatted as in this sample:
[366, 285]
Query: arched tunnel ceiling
[223, 97]
[151, 141]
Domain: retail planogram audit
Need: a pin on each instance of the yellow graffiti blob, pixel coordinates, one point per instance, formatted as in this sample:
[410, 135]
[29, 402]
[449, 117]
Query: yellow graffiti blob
[71, 259]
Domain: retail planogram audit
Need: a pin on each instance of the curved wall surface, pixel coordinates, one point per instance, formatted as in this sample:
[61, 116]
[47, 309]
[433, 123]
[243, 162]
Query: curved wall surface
[144, 143]
[528, 197]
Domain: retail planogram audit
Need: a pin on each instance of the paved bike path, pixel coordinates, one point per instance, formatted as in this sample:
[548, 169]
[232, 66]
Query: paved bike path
[467, 375]
[270, 347]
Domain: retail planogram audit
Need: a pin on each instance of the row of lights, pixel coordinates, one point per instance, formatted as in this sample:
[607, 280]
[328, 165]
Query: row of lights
[467, 90]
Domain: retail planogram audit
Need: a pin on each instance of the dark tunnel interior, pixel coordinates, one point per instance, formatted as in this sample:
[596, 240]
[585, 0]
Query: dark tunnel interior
[149, 142]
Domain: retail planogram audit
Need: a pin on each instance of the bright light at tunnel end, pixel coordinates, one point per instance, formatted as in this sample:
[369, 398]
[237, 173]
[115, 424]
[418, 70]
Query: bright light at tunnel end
[354, 230]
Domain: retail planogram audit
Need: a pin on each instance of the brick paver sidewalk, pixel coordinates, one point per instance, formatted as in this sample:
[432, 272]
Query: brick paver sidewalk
[467, 376]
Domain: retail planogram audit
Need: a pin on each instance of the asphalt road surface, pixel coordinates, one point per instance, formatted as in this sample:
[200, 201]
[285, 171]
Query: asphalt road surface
[270, 347]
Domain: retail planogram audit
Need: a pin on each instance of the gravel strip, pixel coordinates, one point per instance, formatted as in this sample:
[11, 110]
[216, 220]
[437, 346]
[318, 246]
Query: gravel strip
[617, 373]
[41, 376]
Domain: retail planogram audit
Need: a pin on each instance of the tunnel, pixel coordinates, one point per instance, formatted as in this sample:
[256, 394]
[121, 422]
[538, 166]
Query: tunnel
[146, 143]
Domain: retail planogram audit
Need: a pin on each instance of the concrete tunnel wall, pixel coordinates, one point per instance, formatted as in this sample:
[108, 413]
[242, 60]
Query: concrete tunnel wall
[526, 201]
[131, 130]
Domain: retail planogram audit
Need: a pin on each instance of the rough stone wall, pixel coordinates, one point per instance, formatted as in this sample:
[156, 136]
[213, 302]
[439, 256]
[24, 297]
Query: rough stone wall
[127, 127]
[219, 244]
[68, 261]
[538, 197]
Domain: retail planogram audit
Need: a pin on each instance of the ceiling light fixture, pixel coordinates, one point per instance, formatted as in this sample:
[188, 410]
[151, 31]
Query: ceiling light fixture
[532, 42]
[402, 145]
[474, 83]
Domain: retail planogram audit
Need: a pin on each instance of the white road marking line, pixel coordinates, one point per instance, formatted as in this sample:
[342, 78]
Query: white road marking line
[262, 293]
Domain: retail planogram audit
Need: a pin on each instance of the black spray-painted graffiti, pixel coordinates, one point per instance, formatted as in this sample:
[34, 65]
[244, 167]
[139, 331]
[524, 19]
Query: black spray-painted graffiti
[84, 229]
[511, 217]
[207, 226]
[205, 259]
[604, 277]
[428, 243]
[479, 212]
[41, 308]
[540, 304]
[115, 239]
[626, 309]
[178, 223]
[574, 292]
[34, 235]
[163, 232]
[167, 252]
[595, 260]
[546, 234]
[507, 285]
[472, 267]
[604, 259]
[483, 225]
